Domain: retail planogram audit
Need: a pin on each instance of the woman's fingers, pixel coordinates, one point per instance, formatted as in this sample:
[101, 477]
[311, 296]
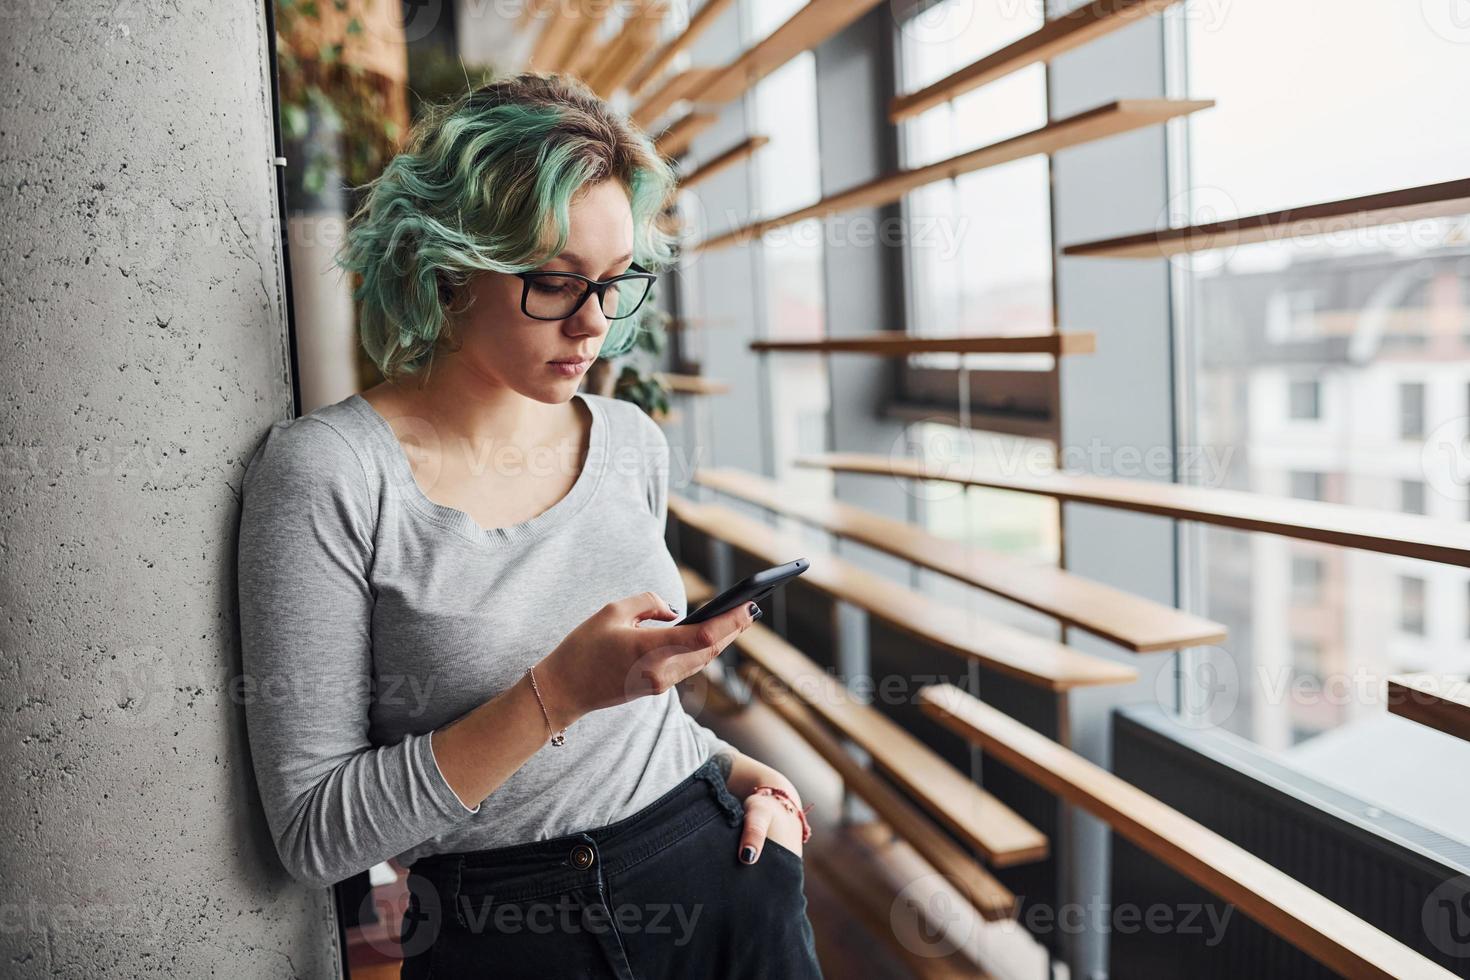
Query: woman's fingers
[645, 605]
[753, 837]
[692, 647]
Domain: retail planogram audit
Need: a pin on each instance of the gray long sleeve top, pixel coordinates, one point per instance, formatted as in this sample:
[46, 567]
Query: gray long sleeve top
[371, 615]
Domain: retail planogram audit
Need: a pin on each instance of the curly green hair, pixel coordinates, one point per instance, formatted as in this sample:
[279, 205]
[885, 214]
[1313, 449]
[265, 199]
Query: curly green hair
[485, 183]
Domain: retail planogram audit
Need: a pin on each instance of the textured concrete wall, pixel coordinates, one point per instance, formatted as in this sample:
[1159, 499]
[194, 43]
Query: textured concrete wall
[144, 355]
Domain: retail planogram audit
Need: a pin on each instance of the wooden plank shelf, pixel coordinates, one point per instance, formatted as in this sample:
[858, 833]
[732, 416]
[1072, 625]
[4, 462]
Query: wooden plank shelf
[1106, 120]
[985, 823]
[1389, 533]
[892, 343]
[724, 161]
[694, 384]
[659, 63]
[1451, 197]
[812, 24]
[678, 87]
[1030, 659]
[1312, 923]
[676, 139]
[1138, 624]
[1056, 37]
[810, 700]
[1434, 700]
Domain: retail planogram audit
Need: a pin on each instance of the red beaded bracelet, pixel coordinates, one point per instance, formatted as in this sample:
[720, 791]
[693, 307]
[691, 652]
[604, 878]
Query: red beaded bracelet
[790, 804]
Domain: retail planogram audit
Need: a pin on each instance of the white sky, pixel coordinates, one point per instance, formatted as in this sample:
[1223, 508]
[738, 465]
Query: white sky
[1320, 100]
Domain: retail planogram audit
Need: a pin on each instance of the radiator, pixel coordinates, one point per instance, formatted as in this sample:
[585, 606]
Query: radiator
[1384, 873]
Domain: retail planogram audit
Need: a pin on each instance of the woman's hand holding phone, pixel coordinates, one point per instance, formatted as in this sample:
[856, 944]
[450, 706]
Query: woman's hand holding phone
[609, 659]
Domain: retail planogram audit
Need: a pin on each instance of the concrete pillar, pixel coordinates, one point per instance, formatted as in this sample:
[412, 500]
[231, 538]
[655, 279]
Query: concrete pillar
[145, 354]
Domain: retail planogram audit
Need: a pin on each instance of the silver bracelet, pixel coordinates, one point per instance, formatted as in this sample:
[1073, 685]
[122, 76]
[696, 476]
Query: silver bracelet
[557, 738]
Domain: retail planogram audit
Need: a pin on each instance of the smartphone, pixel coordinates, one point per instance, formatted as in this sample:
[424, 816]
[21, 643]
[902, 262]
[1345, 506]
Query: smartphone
[752, 589]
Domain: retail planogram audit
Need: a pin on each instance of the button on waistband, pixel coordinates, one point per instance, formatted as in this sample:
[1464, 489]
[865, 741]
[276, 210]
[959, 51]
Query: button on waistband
[582, 857]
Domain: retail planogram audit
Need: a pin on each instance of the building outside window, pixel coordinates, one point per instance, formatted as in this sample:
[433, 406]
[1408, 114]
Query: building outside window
[1305, 400]
[1383, 312]
[1411, 410]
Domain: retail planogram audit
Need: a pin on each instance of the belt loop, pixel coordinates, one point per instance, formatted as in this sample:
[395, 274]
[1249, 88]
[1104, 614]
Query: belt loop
[710, 773]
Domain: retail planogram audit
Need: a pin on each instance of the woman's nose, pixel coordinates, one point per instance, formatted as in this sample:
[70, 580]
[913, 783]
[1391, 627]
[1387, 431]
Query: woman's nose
[589, 321]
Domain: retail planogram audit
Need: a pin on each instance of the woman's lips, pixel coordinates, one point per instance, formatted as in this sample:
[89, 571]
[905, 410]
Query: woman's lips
[570, 369]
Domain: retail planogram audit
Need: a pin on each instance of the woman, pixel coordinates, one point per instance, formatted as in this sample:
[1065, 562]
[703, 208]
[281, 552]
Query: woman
[463, 656]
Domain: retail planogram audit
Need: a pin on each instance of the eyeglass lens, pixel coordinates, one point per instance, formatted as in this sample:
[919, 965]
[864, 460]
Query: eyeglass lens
[554, 297]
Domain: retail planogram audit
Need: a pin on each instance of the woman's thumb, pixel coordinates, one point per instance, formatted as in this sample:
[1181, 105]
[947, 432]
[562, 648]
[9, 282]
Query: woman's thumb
[653, 606]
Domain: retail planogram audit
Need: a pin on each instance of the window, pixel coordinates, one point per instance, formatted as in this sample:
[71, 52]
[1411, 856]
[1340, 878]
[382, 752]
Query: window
[1307, 572]
[1306, 485]
[785, 109]
[1411, 410]
[978, 248]
[1305, 400]
[1411, 605]
[1411, 496]
[1377, 315]
[1291, 315]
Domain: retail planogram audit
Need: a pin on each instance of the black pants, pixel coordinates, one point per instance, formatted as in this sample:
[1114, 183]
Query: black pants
[659, 894]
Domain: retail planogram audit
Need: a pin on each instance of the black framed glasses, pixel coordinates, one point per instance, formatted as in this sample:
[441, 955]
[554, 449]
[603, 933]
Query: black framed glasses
[558, 295]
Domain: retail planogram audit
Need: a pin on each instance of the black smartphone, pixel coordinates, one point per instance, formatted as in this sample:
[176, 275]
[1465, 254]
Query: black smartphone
[752, 589]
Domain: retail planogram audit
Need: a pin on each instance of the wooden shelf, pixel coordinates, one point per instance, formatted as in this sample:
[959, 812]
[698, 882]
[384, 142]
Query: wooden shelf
[694, 384]
[1334, 217]
[553, 41]
[676, 88]
[660, 62]
[1094, 124]
[812, 24]
[676, 139]
[982, 821]
[626, 51]
[892, 343]
[810, 699]
[724, 161]
[1130, 621]
[1318, 927]
[1055, 37]
[1389, 533]
[1033, 660]
[1434, 700]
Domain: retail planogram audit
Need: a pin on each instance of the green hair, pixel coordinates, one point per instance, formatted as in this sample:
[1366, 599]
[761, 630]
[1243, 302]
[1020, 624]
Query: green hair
[485, 183]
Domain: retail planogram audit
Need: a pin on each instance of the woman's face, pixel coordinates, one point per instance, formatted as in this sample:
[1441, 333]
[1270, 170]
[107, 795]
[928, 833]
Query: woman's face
[546, 359]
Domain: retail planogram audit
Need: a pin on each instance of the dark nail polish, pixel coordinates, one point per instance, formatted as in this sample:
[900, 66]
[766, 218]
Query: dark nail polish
[755, 611]
[747, 854]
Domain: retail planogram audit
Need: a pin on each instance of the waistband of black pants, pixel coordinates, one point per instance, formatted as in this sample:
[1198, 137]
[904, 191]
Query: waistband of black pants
[539, 868]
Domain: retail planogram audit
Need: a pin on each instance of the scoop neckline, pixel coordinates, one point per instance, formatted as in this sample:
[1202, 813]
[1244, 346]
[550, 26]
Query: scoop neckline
[461, 523]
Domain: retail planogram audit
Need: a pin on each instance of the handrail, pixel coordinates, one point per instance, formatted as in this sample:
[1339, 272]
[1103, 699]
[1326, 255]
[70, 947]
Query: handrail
[1128, 620]
[1033, 660]
[1407, 535]
[1312, 923]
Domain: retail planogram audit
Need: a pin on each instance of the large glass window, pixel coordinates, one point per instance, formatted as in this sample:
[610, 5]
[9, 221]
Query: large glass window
[978, 247]
[1363, 333]
[978, 262]
[788, 177]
